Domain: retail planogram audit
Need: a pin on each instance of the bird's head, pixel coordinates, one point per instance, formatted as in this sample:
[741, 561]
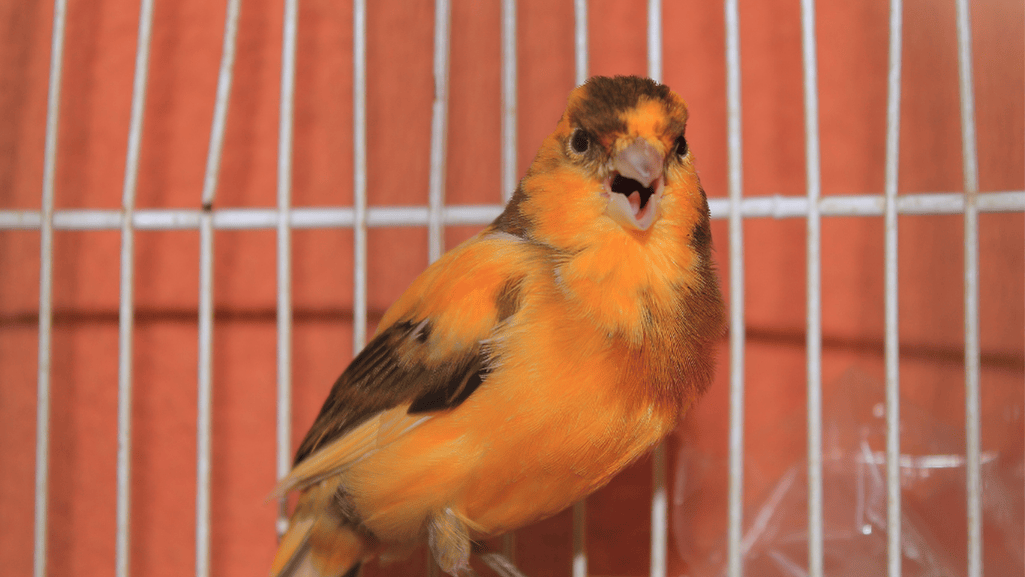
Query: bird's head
[617, 162]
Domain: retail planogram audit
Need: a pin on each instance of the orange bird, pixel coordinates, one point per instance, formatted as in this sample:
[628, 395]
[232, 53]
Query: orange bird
[529, 365]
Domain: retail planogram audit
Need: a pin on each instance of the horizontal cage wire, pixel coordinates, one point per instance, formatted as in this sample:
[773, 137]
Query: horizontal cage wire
[775, 206]
[588, 548]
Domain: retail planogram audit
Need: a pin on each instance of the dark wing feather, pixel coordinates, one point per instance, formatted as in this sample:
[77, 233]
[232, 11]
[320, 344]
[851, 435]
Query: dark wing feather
[456, 390]
[389, 371]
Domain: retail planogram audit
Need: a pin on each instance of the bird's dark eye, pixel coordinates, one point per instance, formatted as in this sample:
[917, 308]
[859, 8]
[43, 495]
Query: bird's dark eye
[681, 146]
[579, 141]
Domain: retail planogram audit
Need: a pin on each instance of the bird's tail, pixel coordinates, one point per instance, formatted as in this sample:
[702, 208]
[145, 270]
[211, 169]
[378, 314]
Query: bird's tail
[319, 544]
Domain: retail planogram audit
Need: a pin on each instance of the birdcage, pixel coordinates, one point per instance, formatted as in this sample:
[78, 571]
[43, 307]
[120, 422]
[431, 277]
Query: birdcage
[208, 206]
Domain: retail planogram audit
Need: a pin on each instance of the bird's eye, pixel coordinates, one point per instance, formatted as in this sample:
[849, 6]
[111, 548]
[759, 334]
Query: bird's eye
[681, 146]
[580, 141]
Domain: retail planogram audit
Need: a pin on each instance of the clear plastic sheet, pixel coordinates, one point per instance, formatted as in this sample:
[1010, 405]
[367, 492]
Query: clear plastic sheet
[933, 529]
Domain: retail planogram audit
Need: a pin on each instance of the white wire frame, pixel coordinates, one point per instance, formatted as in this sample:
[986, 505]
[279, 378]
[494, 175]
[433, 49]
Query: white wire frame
[813, 344]
[126, 306]
[285, 218]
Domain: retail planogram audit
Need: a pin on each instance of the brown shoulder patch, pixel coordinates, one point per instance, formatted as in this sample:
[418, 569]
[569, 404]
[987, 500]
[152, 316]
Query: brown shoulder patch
[512, 220]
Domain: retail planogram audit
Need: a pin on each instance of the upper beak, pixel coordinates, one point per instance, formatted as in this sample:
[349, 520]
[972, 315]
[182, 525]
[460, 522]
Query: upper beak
[635, 188]
[639, 161]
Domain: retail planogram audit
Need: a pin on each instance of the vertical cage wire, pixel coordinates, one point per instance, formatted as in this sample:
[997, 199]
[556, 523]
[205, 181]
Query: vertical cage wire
[509, 169]
[655, 40]
[439, 131]
[659, 502]
[814, 296]
[439, 149]
[435, 220]
[580, 539]
[284, 230]
[659, 512]
[580, 76]
[359, 184]
[580, 41]
[42, 479]
[204, 403]
[509, 99]
[891, 305]
[204, 408]
[735, 168]
[126, 318]
[224, 78]
[970, 161]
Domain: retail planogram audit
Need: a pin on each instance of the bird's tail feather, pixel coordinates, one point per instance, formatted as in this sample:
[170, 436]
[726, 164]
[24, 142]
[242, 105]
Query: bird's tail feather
[318, 544]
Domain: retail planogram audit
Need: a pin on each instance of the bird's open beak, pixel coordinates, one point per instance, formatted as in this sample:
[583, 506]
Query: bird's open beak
[635, 185]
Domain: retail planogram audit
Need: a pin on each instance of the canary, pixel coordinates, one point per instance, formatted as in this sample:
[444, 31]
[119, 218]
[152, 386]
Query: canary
[530, 364]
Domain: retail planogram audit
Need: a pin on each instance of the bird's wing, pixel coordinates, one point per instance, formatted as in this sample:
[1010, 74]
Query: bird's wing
[430, 355]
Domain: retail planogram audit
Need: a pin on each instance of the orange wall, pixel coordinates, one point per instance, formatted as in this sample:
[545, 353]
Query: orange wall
[99, 61]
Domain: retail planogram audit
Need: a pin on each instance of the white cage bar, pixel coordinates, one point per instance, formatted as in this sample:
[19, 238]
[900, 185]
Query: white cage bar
[439, 131]
[813, 348]
[509, 100]
[204, 392]
[304, 218]
[285, 124]
[224, 78]
[580, 53]
[439, 149]
[659, 498]
[204, 395]
[359, 181]
[892, 338]
[42, 480]
[972, 359]
[436, 215]
[509, 133]
[126, 314]
[301, 218]
[735, 192]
